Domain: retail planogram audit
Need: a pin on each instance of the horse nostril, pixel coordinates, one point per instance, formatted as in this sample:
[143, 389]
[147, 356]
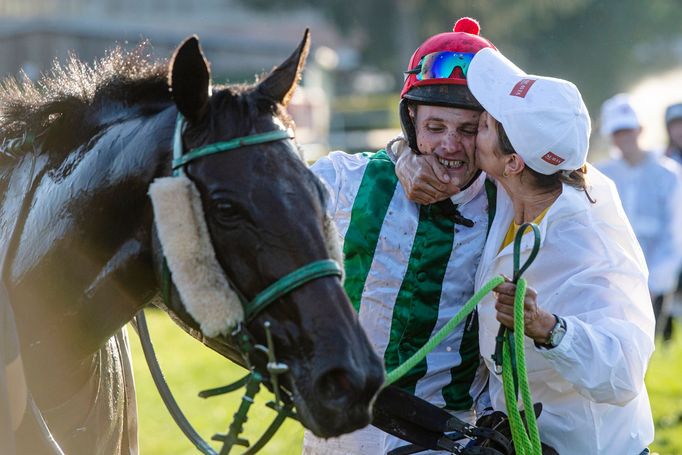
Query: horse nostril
[335, 385]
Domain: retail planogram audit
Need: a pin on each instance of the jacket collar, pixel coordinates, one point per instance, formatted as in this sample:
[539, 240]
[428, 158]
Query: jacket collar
[569, 202]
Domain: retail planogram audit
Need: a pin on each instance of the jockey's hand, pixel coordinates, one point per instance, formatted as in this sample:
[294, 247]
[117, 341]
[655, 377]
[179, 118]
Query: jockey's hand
[537, 322]
[423, 178]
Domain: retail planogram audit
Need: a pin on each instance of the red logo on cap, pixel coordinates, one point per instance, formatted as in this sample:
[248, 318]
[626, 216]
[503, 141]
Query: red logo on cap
[522, 87]
[552, 159]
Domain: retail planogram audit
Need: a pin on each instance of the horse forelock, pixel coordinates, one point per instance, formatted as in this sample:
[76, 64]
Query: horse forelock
[245, 106]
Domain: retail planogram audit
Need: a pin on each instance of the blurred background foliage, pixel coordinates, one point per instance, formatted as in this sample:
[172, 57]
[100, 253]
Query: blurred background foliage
[603, 46]
[361, 48]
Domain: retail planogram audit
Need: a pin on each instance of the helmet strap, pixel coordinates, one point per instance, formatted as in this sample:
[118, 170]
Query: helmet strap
[408, 126]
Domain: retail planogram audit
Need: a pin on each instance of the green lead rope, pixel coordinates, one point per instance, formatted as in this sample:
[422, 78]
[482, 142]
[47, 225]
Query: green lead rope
[418, 356]
[525, 443]
[514, 373]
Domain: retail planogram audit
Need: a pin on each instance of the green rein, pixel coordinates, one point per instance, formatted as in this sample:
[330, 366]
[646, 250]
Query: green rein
[514, 373]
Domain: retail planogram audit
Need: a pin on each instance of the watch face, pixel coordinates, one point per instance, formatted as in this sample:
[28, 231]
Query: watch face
[558, 333]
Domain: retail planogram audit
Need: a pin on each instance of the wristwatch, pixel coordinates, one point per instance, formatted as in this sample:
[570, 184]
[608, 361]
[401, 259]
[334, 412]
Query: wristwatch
[555, 335]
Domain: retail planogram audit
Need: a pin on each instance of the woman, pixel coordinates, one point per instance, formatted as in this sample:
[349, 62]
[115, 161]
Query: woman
[588, 317]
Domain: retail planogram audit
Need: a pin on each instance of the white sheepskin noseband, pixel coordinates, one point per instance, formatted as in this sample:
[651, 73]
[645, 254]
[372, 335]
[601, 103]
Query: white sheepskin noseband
[196, 273]
[186, 244]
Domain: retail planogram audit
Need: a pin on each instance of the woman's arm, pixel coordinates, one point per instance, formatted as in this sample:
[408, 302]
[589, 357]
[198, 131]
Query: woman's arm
[607, 345]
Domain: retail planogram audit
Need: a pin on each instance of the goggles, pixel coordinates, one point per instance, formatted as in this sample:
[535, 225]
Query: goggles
[440, 65]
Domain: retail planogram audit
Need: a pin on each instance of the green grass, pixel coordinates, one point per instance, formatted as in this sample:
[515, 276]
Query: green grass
[190, 367]
[664, 384]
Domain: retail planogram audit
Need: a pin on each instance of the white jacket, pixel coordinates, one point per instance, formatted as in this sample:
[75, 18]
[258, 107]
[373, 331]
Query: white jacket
[591, 272]
[651, 192]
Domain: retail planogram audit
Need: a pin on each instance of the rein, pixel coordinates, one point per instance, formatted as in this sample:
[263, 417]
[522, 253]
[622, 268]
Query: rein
[509, 356]
[253, 380]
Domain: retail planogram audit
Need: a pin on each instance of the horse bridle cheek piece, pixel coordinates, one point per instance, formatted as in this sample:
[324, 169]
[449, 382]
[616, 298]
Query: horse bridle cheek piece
[232, 322]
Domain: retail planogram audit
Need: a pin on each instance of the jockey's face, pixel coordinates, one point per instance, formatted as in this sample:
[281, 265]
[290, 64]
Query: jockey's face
[450, 134]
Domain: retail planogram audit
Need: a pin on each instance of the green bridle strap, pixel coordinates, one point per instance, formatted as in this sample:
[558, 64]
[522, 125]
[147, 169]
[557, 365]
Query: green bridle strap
[288, 283]
[181, 159]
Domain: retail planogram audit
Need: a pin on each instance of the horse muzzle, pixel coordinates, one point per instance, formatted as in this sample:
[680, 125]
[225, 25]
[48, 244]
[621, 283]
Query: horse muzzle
[339, 399]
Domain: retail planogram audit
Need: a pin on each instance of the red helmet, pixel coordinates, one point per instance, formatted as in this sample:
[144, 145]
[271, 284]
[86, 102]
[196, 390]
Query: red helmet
[437, 70]
[437, 73]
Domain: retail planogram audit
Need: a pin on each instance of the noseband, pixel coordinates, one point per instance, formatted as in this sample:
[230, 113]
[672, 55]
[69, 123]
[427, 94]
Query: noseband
[252, 308]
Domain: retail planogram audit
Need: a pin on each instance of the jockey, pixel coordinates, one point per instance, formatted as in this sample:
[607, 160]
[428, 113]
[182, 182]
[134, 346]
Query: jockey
[410, 267]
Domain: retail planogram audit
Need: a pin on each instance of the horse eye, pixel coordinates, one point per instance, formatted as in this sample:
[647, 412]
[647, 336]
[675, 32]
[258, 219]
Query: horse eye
[226, 212]
[223, 206]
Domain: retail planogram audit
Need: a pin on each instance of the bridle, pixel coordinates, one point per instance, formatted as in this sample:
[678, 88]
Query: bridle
[244, 340]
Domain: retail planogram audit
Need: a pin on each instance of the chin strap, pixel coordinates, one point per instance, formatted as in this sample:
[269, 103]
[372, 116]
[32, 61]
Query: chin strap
[408, 126]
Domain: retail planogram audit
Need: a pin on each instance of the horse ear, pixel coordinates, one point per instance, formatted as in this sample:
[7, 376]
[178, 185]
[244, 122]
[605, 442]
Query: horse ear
[189, 79]
[280, 84]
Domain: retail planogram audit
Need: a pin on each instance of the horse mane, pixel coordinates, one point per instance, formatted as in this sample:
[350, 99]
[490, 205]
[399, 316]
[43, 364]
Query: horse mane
[67, 105]
[68, 97]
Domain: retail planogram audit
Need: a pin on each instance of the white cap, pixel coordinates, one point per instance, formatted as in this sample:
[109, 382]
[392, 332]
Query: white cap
[617, 114]
[545, 118]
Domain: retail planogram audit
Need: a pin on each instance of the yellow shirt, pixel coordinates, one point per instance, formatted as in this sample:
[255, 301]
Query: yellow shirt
[513, 229]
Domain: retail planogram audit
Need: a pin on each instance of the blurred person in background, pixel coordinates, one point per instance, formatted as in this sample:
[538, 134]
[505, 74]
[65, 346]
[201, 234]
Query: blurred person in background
[650, 188]
[410, 267]
[673, 124]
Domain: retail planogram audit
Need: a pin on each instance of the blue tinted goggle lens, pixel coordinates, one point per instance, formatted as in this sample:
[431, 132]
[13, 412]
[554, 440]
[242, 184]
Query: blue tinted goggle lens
[440, 65]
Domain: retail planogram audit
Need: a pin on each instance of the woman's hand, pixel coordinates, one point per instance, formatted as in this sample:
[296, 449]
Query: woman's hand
[538, 323]
[423, 178]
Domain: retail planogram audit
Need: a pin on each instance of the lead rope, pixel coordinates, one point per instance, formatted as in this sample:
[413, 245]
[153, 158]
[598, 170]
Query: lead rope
[514, 374]
[513, 366]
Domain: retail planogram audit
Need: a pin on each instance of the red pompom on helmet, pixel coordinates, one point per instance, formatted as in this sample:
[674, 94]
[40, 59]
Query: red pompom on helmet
[437, 72]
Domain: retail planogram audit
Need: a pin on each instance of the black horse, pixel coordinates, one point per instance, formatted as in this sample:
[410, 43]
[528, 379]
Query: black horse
[80, 256]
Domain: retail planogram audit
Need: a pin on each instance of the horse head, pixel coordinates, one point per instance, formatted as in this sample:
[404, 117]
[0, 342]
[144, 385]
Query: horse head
[264, 213]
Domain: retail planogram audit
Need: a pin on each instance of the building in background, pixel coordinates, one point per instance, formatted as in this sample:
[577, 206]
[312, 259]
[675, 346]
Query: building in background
[240, 43]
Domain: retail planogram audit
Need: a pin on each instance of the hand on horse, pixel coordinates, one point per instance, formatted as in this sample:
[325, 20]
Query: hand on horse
[537, 322]
[423, 178]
